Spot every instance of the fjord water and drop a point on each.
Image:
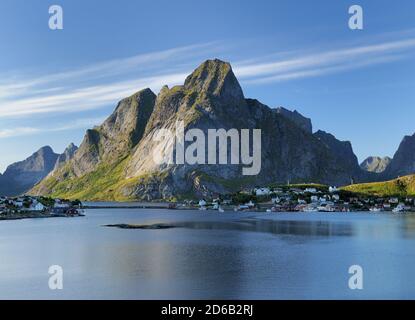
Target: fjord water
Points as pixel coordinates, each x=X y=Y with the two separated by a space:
x=209 y=256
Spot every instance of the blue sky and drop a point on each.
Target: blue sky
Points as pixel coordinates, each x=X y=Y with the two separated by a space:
x=356 y=84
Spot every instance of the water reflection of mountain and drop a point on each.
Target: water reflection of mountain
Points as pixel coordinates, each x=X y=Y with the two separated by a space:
x=280 y=227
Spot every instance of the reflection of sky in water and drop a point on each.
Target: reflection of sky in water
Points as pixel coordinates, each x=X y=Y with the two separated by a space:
x=209 y=255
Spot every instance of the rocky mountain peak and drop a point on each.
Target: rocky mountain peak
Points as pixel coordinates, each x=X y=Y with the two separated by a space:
x=128 y=116
x=217 y=78
x=22 y=175
x=41 y=160
x=71 y=148
x=296 y=117
x=118 y=135
x=403 y=162
x=375 y=164
x=67 y=155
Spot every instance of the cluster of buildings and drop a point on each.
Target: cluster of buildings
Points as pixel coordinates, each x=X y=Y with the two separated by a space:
x=331 y=199
x=305 y=199
x=37 y=205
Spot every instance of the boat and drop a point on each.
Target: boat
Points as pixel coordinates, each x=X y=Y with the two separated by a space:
x=172 y=206
x=326 y=208
x=399 y=208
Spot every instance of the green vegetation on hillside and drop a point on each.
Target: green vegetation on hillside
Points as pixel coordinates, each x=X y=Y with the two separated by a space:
x=101 y=184
x=401 y=187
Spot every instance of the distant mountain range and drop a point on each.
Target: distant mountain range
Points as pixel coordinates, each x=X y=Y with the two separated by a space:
x=21 y=176
x=115 y=160
x=375 y=164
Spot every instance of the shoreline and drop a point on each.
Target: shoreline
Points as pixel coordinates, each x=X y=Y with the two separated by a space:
x=36 y=216
x=231 y=209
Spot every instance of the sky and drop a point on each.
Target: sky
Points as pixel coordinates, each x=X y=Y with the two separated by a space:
x=355 y=84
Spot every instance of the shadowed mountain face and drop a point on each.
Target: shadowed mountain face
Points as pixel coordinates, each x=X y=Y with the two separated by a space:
x=116 y=160
x=375 y=164
x=22 y=176
x=297 y=118
x=403 y=162
x=67 y=155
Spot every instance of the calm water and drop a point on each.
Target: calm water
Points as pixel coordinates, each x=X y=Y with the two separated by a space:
x=209 y=256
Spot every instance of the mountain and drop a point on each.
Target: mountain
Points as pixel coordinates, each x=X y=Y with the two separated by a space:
x=22 y=176
x=97 y=166
x=403 y=162
x=117 y=160
x=67 y=155
x=375 y=164
x=297 y=118
x=345 y=160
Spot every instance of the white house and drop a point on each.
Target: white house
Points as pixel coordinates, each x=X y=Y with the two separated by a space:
x=18 y=203
x=335 y=197
x=322 y=199
x=333 y=189
x=63 y=205
x=276 y=200
x=37 y=207
x=394 y=200
x=250 y=204
x=202 y=203
x=262 y=191
x=314 y=198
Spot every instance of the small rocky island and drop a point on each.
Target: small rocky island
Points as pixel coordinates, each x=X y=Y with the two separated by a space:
x=156 y=226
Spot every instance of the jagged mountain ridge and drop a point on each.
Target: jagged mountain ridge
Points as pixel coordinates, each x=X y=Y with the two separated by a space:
x=115 y=159
x=403 y=162
x=21 y=176
x=67 y=155
x=297 y=118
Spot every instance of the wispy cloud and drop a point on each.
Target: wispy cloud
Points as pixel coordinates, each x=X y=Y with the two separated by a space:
x=321 y=63
x=105 y=83
x=323 y=70
x=99 y=84
x=29 y=131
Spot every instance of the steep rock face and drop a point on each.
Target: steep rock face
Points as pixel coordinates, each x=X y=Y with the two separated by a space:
x=301 y=121
x=211 y=98
x=117 y=135
x=67 y=155
x=22 y=176
x=403 y=162
x=117 y=160
x=102 y=150
x=375 y=164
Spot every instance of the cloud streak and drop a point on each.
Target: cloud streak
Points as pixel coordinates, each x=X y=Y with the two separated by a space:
x=105 y=83
x=336 y=60
x=28 y=131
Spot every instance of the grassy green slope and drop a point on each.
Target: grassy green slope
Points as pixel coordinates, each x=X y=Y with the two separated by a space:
x=404 y=186
x=103 y=183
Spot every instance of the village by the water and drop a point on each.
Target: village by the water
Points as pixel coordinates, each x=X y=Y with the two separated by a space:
x=306 y=198
x=38 y=207
x=268 y=200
